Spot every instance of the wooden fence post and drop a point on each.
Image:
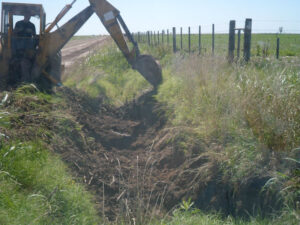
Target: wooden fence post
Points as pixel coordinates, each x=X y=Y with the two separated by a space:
x=181 y=45
x=199 y=40
x=213 y=39
x=163 y=37
x=139 y=37
x=174 y=40
x=168 y=36
x=247 y=40
x=151 y=38
x=231 y=45
x=148 y=35
x=239 y=44
x=277 y=49
x=154 y=38
x=158 y=37
x=189 y=40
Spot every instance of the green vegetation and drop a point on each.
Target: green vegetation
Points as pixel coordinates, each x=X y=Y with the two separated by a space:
x=35 y=185
x=197 y=217
x=35 y=188
x=262 y=44
x=247 y=115
x=261 y=98
x=107 y=74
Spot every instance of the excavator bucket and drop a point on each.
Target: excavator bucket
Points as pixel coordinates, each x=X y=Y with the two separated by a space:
x=149 y=68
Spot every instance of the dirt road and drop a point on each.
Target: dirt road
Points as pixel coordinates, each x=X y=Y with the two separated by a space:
x=78 y=49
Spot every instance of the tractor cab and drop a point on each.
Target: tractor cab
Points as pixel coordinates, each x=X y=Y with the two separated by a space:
x=10 y=15
x=14 y=46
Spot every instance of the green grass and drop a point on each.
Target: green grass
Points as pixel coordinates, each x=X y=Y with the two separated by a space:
x=107 y=74
x=219 y=99
x=200 y=218
x=35 y=188
x=249 y=111
x=247 y=115
x=261 y=45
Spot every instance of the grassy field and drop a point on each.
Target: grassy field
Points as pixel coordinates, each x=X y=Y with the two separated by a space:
x=262 y=44
x=247 y=115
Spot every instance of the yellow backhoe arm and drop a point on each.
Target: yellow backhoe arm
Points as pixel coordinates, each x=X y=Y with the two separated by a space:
x=110 y=17
x=51 y=43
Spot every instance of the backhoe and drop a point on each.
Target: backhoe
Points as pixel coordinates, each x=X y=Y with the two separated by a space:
x=46 y=59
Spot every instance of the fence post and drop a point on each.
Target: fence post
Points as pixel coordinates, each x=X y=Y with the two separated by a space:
x=158 y=37
x=247 y=40
x=277 y=49
x=199 y=40
x=231 y=45
x=181 y=45
x=139 y=36
x=239 y=44
x=189 y=40
x=151 y=38
x=168 y=36
x=213 y=39
x=163 y=37
x=174 y=40
x=148 y=35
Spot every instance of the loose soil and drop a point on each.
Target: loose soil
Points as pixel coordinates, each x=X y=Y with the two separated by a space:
x=131 y=163
x=128 y=156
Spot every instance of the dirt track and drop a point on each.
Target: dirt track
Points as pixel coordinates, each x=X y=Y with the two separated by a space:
x=80 y=48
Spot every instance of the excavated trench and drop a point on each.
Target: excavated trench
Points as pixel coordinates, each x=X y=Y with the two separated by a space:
x=130 y=159
x=130 y=163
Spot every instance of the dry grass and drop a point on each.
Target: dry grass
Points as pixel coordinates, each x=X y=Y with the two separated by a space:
x=219 y=100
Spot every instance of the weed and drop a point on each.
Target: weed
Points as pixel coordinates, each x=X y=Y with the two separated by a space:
x=107 y=74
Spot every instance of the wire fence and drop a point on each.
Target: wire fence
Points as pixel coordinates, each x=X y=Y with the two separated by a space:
x=266 y=43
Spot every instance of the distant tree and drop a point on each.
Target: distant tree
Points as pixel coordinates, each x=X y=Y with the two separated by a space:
x=280 y=30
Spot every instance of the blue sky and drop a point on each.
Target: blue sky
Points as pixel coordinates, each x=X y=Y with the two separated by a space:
x=143 y=15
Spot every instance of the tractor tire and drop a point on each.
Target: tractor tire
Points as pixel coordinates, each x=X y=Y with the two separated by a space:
x=54 y=70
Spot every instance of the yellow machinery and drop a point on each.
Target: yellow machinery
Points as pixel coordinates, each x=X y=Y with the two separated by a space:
x=46 y=61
